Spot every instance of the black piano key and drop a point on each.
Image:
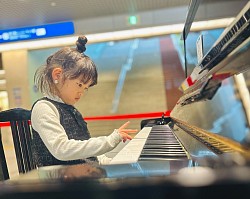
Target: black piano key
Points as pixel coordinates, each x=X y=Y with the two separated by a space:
x=161 y=156
x=162 y=144
x=145 y=151
x=157 y=142
x=163 y=150
x=161 y=138
x=164 y=154
x=162 y=147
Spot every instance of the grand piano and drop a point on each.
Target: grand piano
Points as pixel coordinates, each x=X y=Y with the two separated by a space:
x=201 y=150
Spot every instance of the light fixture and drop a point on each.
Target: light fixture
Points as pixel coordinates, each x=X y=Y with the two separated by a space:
x=116 y=35
x=2 y=81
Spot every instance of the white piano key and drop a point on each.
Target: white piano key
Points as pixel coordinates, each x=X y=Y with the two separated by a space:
x=131 y=152
x=143 y=133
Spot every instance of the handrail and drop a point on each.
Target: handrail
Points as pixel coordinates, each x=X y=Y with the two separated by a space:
x=116 y=117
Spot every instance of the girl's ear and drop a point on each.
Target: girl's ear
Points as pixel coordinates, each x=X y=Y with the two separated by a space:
x=56 y=73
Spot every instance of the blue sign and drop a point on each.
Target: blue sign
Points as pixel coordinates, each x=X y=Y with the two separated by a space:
x=37 y=32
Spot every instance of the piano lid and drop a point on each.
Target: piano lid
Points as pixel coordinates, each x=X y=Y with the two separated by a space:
x=228 y=56
x=210 y=99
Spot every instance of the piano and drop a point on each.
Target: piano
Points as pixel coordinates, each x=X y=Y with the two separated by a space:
x=185 y=136
x=201 y=150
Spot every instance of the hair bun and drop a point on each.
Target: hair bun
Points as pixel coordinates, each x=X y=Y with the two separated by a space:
x=80 y=44
x=49 y=59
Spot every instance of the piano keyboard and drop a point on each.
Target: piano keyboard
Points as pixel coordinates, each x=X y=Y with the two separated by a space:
x=151 y=143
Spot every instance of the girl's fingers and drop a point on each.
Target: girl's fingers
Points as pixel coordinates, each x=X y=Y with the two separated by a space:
x=124 y=132
x=125 y=136
x=124 y=125
x=127 y=130
x=130 y=130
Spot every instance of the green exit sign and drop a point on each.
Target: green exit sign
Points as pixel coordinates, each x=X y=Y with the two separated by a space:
x=133 y=20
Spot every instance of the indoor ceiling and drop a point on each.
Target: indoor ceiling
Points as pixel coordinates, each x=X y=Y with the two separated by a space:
x=20 y=13
x=23 y=13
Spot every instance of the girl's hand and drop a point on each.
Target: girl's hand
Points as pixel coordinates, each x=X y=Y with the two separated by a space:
x=124 y=133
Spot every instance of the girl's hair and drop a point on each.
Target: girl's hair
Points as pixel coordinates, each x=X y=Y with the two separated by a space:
x=73 y=61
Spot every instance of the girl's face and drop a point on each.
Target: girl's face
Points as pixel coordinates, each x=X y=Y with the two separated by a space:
x=71 y=90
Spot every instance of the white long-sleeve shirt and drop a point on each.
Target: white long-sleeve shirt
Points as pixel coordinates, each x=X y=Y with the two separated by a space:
x=45 y=120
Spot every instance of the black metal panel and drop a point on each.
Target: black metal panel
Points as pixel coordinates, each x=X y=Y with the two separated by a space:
x=21 y=133
x=4 y=173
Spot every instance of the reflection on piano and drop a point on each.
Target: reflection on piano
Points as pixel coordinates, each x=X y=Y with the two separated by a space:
x=227 y=57
x=184 y=135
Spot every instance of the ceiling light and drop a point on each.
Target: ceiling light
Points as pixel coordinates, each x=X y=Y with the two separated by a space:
x=53 y=4
x=116 y=35
x=2 y=81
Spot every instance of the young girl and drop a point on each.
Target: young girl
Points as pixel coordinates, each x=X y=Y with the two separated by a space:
x=60 y=134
